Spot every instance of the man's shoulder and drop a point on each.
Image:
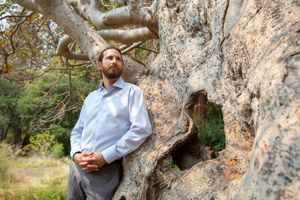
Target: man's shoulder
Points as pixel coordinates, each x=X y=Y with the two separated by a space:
x=90 y=95
x=131 y=87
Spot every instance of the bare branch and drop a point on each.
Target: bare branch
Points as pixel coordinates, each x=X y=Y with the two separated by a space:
x=63 y=50
x=14 y=31
x=31 y=5
x=128 y=37
x=132 y=14
x=148 y=49
x=14 y=16
x=51 y=38
x=139 y=61
x=76 y=65
x=125 y=36
x=135 y=45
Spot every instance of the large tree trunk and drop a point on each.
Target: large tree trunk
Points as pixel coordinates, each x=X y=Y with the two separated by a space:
x=245 y=56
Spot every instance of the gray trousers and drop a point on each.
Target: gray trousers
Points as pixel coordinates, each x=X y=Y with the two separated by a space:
x=94 y=185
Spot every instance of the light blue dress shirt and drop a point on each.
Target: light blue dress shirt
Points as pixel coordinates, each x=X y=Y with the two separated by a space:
x=114 y=122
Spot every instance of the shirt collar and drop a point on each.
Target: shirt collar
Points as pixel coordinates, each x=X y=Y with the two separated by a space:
x=119 y=83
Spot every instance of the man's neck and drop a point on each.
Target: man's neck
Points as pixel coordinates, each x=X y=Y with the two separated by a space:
x=108 y=82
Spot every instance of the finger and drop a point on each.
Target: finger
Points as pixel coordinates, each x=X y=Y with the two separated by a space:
x=83 y=164
x=88 y=159
x=87 y=154
x=91 y=170
x=92 y=166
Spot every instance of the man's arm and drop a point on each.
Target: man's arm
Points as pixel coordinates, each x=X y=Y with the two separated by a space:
x=139 y=130
x=76 y=134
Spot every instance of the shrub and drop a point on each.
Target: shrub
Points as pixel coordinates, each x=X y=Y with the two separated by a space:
x=58 y=150
x=41 y=145
x=211 y=132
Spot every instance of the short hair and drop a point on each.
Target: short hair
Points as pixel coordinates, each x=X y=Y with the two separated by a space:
x=107 y=48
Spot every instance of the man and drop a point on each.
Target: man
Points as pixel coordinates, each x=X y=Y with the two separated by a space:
x=113 y=122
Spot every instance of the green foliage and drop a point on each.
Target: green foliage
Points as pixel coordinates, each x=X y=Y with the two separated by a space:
x=211 y=132
x=41 y=145
x=10 y=93
x=172 y=164
x=58 y=150
x=48 y=104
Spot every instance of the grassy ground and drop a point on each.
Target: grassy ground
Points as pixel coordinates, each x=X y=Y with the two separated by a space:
x=35 y=178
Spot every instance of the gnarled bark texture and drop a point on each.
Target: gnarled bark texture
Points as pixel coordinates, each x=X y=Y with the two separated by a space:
x=245 y=55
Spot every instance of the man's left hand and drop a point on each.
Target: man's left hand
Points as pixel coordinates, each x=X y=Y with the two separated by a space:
x=95 y=161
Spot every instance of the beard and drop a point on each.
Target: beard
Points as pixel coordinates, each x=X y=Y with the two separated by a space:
x=112 y=74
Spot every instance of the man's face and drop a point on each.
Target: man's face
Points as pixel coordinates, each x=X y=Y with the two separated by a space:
x=111 y=65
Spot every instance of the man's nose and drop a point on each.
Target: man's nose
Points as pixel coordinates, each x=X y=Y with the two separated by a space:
x=114 y=60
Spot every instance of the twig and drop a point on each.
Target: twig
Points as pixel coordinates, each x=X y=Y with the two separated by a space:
x=135 y=45
x=148 y=49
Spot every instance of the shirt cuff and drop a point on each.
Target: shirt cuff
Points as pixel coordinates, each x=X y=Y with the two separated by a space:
x=110 y=154
x=75 y=150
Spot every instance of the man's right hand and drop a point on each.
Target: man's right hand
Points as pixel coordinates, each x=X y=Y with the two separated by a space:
x=79 y=156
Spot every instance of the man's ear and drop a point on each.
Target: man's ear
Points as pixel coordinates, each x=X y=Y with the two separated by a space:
x=100 y=66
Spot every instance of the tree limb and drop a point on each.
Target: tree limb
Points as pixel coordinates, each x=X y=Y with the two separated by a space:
x=14 y=31
x=67 y=19
x=127 y=37
x=135 y=45
x=132 y=14
x=148 y=50
x=63 y=50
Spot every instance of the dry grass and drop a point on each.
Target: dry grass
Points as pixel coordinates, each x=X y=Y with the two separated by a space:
x=36 y=178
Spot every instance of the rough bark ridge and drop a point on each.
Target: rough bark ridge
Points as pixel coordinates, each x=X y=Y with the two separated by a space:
x=245 y=56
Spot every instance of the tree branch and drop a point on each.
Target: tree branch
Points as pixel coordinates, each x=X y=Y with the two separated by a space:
x=14 y=31
x=148 y=50
x=132 y=14
x=67 y=19
x=127 y=37
x=135 y=45
x=63 y=50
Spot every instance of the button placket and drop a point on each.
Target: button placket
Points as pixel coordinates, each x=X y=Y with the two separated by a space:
x=93 y=136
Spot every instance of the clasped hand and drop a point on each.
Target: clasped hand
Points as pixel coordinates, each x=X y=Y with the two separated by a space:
x=90 y=161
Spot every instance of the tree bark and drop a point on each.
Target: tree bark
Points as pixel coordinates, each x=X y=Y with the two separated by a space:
x=2 y=134
x=5 y=132
x=199 y=111
x=245 y=56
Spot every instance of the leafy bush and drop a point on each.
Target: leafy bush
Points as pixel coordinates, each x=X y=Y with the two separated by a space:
x=211 y=132
x=58 y=150
x=41 y=145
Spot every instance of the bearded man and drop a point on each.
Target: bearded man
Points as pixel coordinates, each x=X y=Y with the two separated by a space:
x=113 y=122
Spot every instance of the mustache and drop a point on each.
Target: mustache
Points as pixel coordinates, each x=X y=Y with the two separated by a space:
x=113 y=65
